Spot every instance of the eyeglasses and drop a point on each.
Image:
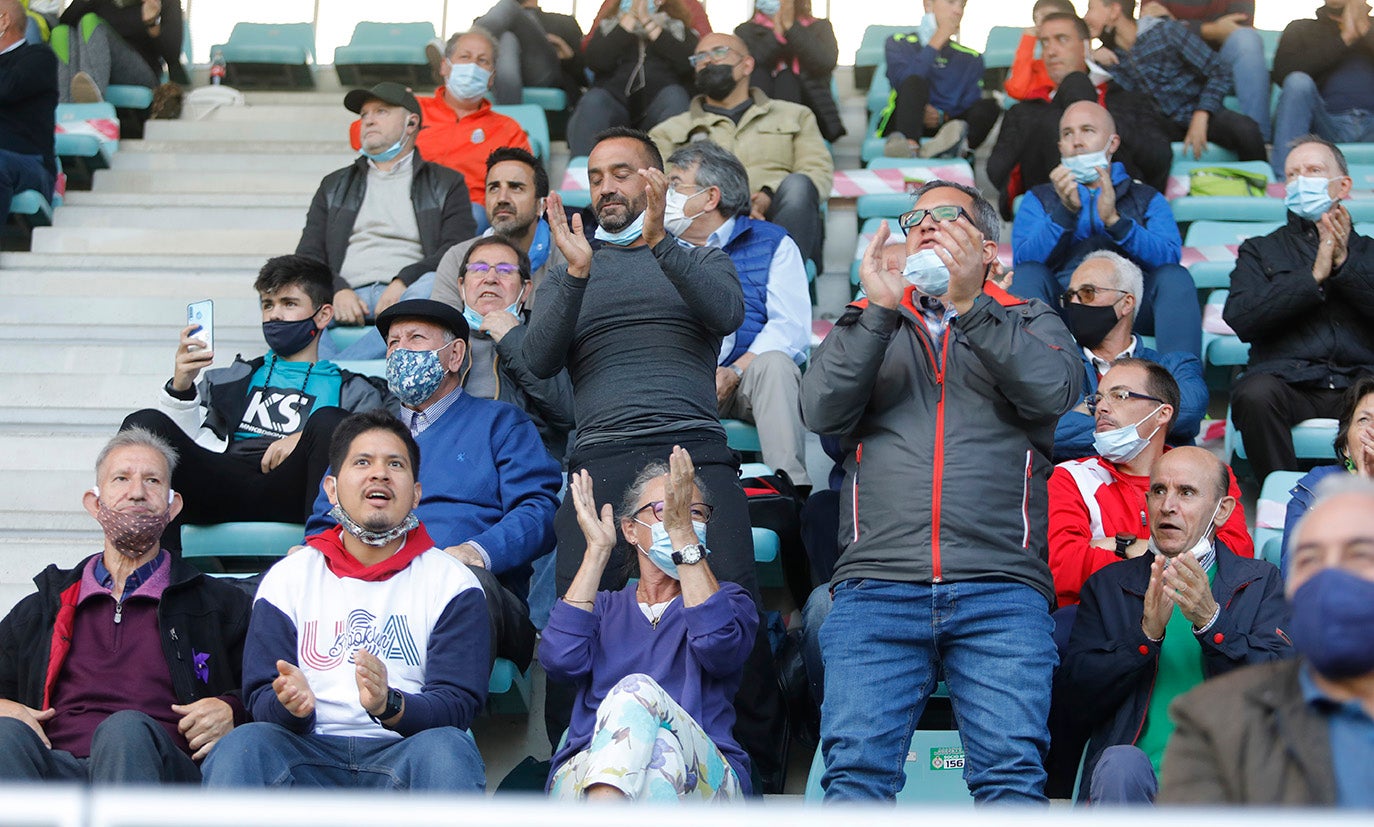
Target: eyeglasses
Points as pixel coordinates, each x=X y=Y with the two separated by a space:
x=942 y=213
x=1116 y=395
x=701 y=512
x=709 y=56
x=1086 y=294
x=481 y=268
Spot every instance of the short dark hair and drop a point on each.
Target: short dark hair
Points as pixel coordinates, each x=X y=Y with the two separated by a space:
x=716 y=167
x=1314 y=138
x=1159 y=382
x=1083 y=32
x=985 y=216
x=1127 y=6
x=523 y=156
x=377 y=419
x=1062 y=6
x=650 y=148
x=523 y=261
x=314 y=278
x=1362 y=387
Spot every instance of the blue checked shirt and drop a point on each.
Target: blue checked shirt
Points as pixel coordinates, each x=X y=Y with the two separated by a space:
x=1176 y=67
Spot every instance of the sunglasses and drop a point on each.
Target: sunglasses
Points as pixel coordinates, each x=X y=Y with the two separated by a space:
x=942 y=213
x=1086 y=294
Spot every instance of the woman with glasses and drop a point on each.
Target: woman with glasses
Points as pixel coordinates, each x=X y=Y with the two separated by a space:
x=656 y=663
x=637 y=52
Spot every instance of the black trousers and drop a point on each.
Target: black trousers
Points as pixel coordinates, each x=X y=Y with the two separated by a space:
x=1265 y=408
x=221 y=488
x=760 y=722
x=908 y=114
x=1231 y=130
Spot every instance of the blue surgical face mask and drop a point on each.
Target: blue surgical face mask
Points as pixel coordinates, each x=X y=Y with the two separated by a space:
x=925 y=270
x=414 y=375
x=660 y=553
x=926 y=30
x=1084 y=167
x=386 y=154
x=767 y=7
x=467 y=81
x=1308 y=197
x=1125 y=443
x=475 y=319
x=625 y=236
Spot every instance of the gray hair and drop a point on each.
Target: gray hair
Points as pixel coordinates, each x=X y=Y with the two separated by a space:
x=1314 y=138
x=716 y=167
x=985 y=216
x=137 y=437
x=475 y=30
x=1128 y=275
x=630 y=504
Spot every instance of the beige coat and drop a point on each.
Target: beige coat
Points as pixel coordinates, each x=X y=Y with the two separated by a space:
x=773 y=139
x=1248 y=737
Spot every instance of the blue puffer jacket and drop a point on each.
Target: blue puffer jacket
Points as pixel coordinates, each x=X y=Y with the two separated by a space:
x=751 y=247
x=1109 y=671
x=1300 y=498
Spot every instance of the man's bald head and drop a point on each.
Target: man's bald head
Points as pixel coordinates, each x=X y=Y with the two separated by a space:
x=1087 y=127
x=16 y=21
x=715 y=39
x=1092 y=111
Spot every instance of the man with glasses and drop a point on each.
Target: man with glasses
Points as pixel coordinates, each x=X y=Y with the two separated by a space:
x=1092 y=204
x=790 y=168
x=1152 y=627
x=1100 y=306
x=945 y=391
x=757 y=373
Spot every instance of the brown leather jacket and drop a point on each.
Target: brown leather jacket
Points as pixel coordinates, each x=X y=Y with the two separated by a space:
x=1248 y=737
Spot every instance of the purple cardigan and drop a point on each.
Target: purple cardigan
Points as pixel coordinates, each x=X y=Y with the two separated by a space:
x=697 y=655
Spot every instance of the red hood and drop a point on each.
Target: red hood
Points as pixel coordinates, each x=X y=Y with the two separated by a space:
x=343 y=564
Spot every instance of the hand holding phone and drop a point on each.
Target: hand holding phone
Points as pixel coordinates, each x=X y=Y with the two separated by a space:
x=201 y=315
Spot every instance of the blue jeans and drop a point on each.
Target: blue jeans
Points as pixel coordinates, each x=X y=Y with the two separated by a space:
x=19 y=173
x=127 y=748
x=1123 y=776
x=884 y=643
x=268 y=755
x=1302 y=110
x=1243 y=52
x=1168 y=308
x=371 y=346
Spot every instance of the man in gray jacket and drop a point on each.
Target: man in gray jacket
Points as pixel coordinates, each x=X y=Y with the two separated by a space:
x=946 y=391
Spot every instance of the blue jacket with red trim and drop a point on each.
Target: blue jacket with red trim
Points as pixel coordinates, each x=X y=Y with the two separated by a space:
x=202 y=622
x=948 y=441
x=1108 y=672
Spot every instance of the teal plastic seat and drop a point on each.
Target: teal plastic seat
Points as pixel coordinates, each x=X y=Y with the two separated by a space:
x=934 y=770
x=345 y=335
x=508 y=689
x=765 y=545
x=1361 y=208
x=579 y=196
x=547 y=98
x=1222 y=350
x=1219 y=233
x=365 y=367
x=1191 y=208
x=270 y=55
x=1001 y=47
x=1273 y=498
x=741 y=436
x=1211 y=275
x=1358 y=153
x=1212 y=153
x=32 y=207
x=872 y=52
x=385 y=51
x=95 y=150
x=238 y=540
x=893 y=204
x=531 y=119
x=128 y=96
x=879 y=91
x=1270 y=39
x=1312 y=439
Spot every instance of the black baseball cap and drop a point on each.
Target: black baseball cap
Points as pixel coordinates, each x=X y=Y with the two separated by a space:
x=388 y=92
x=441 y=314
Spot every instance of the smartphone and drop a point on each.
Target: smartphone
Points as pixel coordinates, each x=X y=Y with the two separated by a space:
x=202 y=313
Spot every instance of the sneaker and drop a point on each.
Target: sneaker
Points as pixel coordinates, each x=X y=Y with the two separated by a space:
x=946 y=141
x=84 y=89
x=434 y=54
x=897 y=146
x=166 y=102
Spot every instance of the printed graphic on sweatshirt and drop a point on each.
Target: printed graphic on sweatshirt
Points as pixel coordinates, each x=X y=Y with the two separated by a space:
x=389 y=639
x=276 y=412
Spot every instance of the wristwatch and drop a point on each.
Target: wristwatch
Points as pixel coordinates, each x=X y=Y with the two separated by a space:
x=1123 y=542
x=687 y=555
x=394 y=701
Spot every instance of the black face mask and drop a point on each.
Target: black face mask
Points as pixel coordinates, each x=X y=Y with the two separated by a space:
x=1088 y=324
x=716 y=81
x=290 y=338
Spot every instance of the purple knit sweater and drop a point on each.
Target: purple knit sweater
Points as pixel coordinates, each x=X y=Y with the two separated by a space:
x=697 y=655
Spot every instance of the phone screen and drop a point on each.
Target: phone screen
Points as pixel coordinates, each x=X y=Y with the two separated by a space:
x=202 y=313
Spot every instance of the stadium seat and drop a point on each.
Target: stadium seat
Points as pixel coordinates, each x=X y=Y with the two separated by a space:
x=1223 y=350
x=879 y=91
x=872 y=50
x=579 y=195
x=1192 y=208
x=385 y=51
x=364 y=367
x=1270 y=38
x=270 y=56
x=1226 y=233
x=32 y=208
x=1001 y=47
x=1212 y=153
x=934 y=771
x=765 y=545
x=891 y=205
x=202 y=543
x=1312 y=439
x=1358 y=153
x=508 y=689
x=1270 y=513
x=128 y=96
x=741 y=436
x=87 y=131
x=531 y=119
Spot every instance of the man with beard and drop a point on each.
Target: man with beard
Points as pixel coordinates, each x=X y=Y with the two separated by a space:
x=638 y=324
x=790 y=169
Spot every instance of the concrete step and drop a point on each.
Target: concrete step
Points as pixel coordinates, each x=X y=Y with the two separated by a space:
x=232 y=285
x=146 y=365
x=332 y=143
x=189 y=200
x=183 y=162
x=331 y=125
x=246 y=264
x=107 y=240
x=322 y=109
x=24 y=556
x=181 y=218
x=142 y=181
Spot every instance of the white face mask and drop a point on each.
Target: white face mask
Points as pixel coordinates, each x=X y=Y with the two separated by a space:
x=675 y=219
x=927 y=272
x=1203 y=549
x=1125 y=443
